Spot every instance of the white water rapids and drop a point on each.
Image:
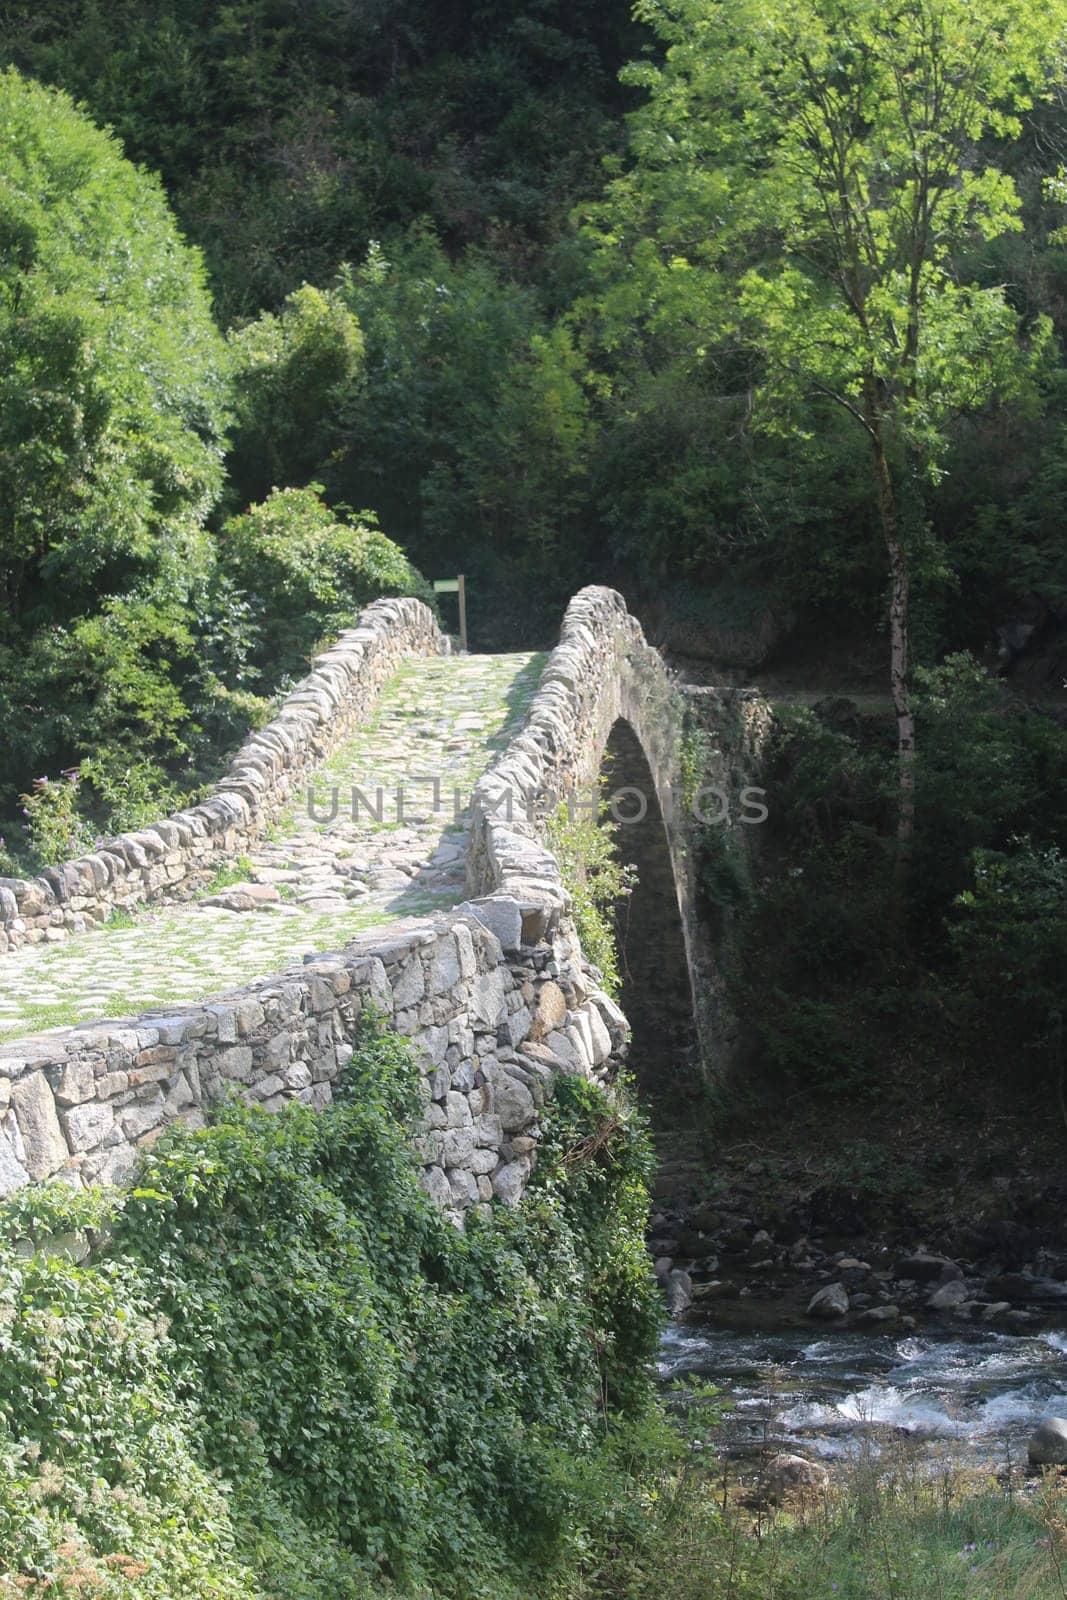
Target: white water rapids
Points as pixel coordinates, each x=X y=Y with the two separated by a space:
x=829 y=1394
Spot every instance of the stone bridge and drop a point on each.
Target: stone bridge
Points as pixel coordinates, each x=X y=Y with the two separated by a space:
x=386 y=831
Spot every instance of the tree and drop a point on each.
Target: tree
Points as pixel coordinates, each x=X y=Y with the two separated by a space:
x=294 y=373
x=804 y=175
x=307 y=570
x=113 y=377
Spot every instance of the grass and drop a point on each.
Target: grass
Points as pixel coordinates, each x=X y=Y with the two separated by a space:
x=888 y=1531
x=239 y=870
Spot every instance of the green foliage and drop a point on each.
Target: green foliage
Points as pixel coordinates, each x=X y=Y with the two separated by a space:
x=114 y=375
x=288 y=138
x=129 y=695
x=862 y=212
x=100 y=1486
x=830 y=998
x=115 y=395
x=585 y=847
x=1010 y=938
x=283 y=1370
x=307 y=570
x=55 y=830
x=239 y=870
x=293 y=374
x=471 y=426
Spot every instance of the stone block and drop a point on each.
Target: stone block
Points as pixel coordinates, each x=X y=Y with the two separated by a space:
x=42 y=1137
x=457 y=1147
x=77 y=1083
x=501 y=915
x=87 y=1126
x=236 y=1063
x=13 y=1174
x=512 y=1101
x=488 y=1003
x=509 y=1182
x=437 y=1186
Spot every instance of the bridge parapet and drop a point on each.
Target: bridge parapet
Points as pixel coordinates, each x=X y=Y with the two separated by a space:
x=171 y=858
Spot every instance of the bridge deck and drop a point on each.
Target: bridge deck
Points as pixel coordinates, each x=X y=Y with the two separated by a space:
x=318 y=879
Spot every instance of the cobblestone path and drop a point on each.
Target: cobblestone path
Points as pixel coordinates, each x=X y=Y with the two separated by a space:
x=384 y=838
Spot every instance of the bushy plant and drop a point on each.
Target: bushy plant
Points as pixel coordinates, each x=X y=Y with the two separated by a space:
x=55 y=829
x=284 y=1348
x=113 y=376
x=295 y=374
x=1009 y=936
x=101 y=1490
x=307 y=569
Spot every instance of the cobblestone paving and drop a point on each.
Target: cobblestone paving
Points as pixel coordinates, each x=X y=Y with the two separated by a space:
x=385 y=837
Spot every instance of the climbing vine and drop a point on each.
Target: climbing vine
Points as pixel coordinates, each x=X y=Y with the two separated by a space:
x=598 y=879
x=282 y=1370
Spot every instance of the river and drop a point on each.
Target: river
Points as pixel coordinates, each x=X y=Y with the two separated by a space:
x=829 y=1394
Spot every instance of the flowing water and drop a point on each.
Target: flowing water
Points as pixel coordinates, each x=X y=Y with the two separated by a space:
x=829 y=1394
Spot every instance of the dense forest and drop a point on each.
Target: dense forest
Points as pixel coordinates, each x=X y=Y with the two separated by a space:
x=756 y=312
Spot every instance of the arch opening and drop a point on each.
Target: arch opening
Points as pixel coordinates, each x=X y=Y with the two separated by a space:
x=657 y=994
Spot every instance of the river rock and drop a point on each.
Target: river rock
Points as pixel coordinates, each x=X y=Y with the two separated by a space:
x=788 y=1474
x=999 y=1308
x=948 y=1296
x=877 y=1315
x=679 y=1292
x=1048 y=1443
x=923 y=1267
x=829 y=1302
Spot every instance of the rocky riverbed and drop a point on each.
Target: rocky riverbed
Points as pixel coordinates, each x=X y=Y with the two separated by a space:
x=823 y=1346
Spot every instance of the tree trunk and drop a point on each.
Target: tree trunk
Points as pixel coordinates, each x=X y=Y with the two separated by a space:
x=898 y=659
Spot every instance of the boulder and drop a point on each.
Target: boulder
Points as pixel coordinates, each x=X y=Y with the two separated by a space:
x=829 y=1302
x=679 y=1287
x=1048 y=1443
x=787 y=1474
x=948 y=1296
x=876 y=1316
x=924 y=1267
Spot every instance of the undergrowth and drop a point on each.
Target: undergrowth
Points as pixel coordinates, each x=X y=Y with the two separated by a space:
x=282 y=1371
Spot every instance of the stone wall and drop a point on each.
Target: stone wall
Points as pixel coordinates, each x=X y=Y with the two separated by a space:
x=172 y=858
x=492 y=1024
x=495 y=996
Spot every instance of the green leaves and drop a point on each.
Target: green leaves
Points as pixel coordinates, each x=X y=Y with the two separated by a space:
x=808 y=173
x=390 y=1402
x=307 y=570
x=114 y=385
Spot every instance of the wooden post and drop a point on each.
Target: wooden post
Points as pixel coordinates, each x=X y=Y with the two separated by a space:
x=458 y=587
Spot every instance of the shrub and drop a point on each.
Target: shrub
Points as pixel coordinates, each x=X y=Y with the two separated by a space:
x=284 y=1353
x=597 y=880
x=307 y=570
x=294 y=373
x=1009 y=935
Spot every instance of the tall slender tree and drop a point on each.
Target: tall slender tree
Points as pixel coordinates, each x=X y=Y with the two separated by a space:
x=805 y=176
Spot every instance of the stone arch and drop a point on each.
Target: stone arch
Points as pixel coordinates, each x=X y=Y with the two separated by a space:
x=654 y=958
